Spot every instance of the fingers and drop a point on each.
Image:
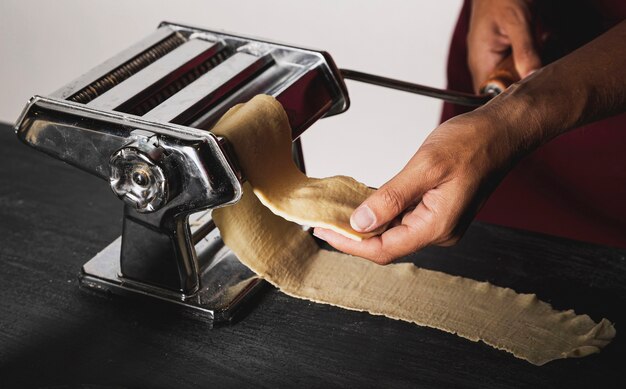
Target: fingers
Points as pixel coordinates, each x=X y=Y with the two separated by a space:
x=485 y=45
x=482 y=62
x=367 y=248
x=433 y=221
x=485 y=51
x=497 y=28
x=523 y=46
x=389 y=200
x=378 y=249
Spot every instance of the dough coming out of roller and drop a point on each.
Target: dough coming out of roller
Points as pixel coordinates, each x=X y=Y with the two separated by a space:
x=263 y=146
x=288 y=257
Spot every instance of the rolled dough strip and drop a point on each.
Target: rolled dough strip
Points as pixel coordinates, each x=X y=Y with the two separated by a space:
x=260 y=134
x=288 y=257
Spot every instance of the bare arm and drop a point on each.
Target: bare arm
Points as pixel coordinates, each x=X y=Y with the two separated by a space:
x=440 y=190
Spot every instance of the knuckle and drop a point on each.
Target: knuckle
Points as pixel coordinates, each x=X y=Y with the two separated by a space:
x=392 y=199
x=381 y=258
x=440 y=168
x=450 y=240
x=435 y=162
x=451 y=234
x=514 y=16
x=447 y=232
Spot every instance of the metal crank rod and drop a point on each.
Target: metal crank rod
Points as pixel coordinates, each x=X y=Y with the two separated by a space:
x=500 y=79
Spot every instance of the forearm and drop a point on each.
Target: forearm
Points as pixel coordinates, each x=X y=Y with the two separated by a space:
x=584 y=86
x=435 y=196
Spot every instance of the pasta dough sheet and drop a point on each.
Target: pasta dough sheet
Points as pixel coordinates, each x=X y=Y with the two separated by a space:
x=277 y=181
x=288 y=257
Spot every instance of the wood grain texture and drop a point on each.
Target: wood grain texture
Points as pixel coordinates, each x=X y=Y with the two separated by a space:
x=53 y=218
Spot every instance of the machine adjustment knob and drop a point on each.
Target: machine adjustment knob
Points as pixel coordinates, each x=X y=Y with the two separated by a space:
x=138 y=176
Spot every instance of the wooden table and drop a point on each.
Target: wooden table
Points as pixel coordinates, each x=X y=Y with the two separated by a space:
x=54 y=217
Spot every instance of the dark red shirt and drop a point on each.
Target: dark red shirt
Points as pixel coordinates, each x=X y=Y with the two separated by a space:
x=574 y=186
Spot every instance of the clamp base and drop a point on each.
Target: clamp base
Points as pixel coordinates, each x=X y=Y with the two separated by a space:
x=226 y=284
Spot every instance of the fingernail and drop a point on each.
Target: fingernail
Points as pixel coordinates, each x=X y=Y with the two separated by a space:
x=318 y=235
x=362 y=219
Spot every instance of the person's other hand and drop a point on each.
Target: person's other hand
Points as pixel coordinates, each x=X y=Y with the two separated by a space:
x=437 y=194
x=497 y=28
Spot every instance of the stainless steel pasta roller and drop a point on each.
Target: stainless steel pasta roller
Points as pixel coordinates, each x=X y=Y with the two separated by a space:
x=141 y=121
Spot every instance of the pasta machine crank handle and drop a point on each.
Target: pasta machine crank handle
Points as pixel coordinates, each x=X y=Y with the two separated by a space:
x=501 y=78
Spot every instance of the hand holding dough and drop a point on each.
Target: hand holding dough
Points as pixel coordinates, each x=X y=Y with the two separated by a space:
x=288 y=257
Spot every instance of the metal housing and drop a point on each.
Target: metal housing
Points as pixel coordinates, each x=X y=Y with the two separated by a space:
x=142 y=121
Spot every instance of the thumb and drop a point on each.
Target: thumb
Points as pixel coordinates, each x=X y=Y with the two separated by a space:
x=386 y=203
x=524 y=51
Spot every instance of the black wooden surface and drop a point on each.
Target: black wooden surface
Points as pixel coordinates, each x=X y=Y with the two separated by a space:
x=54 y=217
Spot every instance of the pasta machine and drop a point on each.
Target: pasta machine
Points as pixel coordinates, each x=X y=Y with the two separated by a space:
x=142 y=121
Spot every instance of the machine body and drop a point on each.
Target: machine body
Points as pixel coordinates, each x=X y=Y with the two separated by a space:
x=142 y=121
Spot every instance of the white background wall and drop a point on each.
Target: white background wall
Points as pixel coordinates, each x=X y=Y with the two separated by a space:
x=45 y=44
